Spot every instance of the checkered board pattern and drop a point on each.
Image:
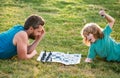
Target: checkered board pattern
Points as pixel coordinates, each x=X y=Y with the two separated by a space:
x=60 y=57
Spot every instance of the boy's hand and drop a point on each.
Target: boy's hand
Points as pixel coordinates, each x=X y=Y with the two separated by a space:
x=102 y=13
x=88 y=60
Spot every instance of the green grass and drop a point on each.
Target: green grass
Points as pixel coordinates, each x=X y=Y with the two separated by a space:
x=64 y=21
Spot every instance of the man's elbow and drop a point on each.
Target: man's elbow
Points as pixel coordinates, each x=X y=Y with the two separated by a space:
x=23 y=57
x=113 y=21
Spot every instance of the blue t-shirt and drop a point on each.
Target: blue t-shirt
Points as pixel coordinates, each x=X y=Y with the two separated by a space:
x=106 y=47
x=7 y=48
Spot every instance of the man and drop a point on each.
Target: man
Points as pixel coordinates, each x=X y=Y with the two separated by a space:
x=15 y=41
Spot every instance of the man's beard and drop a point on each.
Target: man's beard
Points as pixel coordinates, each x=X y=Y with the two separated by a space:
x=32 y=36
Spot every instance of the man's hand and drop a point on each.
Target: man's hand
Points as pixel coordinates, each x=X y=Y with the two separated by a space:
x=39 y=37
x=34 y=52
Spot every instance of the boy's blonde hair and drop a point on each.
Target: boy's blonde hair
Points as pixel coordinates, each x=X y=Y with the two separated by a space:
x=92 y=28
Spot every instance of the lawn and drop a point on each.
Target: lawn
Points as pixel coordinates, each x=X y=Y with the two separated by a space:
x=64 y=21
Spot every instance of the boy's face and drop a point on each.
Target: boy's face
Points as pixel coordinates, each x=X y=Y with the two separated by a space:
x=90 y=37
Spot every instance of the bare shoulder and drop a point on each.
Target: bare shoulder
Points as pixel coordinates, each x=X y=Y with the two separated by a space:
x=20 y=36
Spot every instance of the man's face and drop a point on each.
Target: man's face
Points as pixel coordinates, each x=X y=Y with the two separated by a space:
x=36 y=32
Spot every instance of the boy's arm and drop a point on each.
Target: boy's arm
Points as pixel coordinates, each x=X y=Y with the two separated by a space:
x=91 y=54
x=109 y=19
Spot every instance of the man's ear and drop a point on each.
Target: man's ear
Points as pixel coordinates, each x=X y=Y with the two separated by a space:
x=31 y=28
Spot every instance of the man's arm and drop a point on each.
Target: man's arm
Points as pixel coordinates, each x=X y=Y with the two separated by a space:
x=21 y=40
x=36 y=42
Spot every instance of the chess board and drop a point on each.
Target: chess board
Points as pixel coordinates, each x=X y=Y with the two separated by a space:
x=60 y=57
